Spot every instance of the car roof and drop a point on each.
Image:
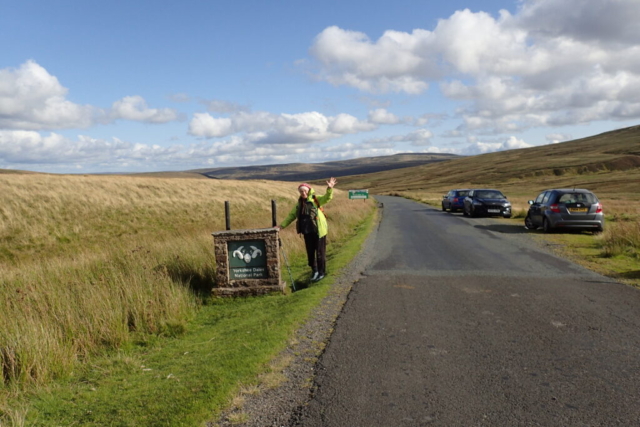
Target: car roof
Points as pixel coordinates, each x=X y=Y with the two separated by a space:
x=570 y=190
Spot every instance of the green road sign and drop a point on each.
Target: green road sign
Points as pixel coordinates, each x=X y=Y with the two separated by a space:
x=247 y=259
x=358 y=194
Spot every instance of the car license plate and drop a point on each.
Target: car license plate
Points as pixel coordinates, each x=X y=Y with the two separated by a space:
x=578 y=209
x=493 y=210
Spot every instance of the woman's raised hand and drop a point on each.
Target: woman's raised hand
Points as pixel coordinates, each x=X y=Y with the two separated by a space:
x=332 y=181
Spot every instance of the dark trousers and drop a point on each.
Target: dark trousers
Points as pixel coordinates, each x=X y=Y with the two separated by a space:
x=316 y=252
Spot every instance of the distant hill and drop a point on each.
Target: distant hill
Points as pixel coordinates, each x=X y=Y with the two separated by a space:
x=189 y=175
x=316 y=171
x=15 y=171
x=610 y=160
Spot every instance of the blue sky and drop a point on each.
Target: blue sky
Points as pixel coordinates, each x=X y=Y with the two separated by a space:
x=125 y=86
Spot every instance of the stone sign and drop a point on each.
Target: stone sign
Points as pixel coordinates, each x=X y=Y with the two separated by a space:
x=247 y=262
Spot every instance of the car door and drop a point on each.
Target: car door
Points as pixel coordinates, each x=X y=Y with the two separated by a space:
x=447 y=200
x=468 y=201
x=535 y=210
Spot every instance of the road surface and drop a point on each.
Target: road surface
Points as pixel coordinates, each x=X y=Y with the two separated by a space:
x=464 y=322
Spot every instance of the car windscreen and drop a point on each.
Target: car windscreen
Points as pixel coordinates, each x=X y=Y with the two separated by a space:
x=489 y=194
x=463 y=193
x=569 y=198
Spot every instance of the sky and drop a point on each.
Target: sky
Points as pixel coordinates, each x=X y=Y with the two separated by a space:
x=140 y=86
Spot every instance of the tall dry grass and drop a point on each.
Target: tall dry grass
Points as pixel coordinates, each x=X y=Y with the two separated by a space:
x=89 y=263
x=621 y=238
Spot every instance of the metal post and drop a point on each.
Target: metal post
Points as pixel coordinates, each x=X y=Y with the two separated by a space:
x=227 y=217
x=274 y=213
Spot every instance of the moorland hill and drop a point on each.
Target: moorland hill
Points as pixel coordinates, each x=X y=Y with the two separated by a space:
x=314 y=171
x=609 y=162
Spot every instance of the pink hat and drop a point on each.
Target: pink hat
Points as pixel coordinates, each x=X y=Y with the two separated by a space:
x=304 y=184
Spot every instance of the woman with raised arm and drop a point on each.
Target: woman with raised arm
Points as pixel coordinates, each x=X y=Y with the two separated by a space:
x=312 y=224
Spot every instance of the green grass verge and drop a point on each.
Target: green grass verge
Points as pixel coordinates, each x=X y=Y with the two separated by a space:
x=585 y=249
x=188 y=380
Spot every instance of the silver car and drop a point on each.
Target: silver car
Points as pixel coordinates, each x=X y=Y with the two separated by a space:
x=566 y=208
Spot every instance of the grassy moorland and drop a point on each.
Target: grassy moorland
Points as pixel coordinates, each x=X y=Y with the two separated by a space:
x=106 y=279
x=607 y=164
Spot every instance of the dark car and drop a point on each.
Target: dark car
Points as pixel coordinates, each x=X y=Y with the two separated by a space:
x=565 y=208
x=486 y=202
x=454 y=200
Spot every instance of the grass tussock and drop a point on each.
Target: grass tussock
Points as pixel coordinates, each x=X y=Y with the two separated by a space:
x=621 y=238
x=95 y=263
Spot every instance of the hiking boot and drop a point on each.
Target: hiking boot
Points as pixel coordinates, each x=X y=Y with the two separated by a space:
x=315 y=276
x=320 y=277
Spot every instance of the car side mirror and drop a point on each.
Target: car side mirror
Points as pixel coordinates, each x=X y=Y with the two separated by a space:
x=530 y=202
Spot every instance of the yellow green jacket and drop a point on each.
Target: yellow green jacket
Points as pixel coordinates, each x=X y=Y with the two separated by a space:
x=321 y=218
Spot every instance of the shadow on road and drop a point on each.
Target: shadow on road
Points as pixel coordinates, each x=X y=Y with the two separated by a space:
x=505 y=228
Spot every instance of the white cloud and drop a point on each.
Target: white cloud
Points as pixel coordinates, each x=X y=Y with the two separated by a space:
x=420 y=137
x=392 y=64
x=25 y=147
x=268 y=128
x=549 y=64
x=382 y=116
x=203 y=124
x=32 y=99
x=135 y=108
x=30 y=149
x=488 y=147
x=346 y=124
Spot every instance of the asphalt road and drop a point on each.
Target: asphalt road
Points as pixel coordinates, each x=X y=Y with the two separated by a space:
x=464 y=322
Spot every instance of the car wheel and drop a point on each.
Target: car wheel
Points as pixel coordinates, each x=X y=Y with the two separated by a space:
x=472 y=213
x=528 y=223
x=464 y=211
x=443 y=208
x=598 y=230
x=546 y=226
